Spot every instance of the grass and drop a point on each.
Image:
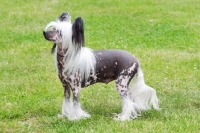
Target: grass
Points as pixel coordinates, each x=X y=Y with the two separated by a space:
x=164 y=35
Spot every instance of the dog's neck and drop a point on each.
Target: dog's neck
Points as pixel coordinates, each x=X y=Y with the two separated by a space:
x=60 y=54
x=60 y=51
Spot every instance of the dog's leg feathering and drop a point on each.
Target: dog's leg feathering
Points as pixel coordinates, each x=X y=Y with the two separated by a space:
x=67 y=104
x=130 y=110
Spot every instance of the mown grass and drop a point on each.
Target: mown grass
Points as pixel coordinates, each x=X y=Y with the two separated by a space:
x=164 y=35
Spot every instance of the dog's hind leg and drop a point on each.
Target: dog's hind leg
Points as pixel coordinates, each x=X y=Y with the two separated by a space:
x=137 y=97
x=130 y=109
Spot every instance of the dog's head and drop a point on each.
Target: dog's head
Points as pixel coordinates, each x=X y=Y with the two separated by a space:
x=53 y=29
x=62 y=32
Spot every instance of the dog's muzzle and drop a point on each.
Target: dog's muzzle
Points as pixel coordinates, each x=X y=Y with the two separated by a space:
x=50 y=35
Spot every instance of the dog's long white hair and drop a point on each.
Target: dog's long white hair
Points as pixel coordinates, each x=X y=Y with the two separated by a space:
x=77 y=57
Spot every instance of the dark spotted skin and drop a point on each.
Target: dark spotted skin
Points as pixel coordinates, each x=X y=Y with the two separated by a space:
x=110 y=65
x=60 y=66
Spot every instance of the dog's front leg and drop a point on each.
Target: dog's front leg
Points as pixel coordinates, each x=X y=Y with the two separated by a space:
x=67 y=104
x=73 y=111
x=78 y=112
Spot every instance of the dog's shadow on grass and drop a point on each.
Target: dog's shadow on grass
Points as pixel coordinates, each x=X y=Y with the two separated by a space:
x=103 y=109
x=106 y=110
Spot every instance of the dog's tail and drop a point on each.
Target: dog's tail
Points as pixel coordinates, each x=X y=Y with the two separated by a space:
x=144 y=96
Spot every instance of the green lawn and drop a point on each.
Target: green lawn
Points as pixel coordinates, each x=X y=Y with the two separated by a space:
x=164 y=35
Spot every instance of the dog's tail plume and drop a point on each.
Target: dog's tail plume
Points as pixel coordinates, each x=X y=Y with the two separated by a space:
x=144 y=96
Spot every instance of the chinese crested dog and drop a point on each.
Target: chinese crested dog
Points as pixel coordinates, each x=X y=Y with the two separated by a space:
x=79 y=66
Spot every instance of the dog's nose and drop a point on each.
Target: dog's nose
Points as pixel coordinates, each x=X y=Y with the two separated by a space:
x=44 y=34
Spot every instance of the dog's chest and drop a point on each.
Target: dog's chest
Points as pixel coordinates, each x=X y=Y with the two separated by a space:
x=73 y=80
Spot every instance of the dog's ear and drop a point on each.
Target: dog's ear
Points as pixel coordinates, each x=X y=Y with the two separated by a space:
x=78 y=33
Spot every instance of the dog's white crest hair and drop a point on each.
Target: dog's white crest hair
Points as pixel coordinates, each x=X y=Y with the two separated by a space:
x=76 y=60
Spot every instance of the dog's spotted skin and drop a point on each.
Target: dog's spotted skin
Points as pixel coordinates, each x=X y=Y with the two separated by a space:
x=124 y=79
x=111 y=65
